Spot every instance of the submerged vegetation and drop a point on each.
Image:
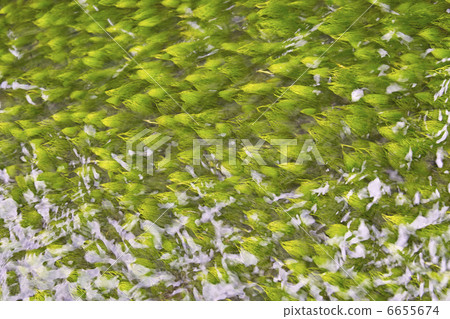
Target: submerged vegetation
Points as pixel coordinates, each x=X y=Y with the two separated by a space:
x=366 y=80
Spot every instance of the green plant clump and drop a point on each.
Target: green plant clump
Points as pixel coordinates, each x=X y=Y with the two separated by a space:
x=363 y=215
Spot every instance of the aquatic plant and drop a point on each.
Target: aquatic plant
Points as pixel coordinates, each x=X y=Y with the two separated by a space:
x=367 y=81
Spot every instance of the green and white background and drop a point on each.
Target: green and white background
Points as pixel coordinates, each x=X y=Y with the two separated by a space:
x=366 y=80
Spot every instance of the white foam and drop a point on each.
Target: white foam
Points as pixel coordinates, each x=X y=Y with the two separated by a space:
x=357 y=95
x=394 y=87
